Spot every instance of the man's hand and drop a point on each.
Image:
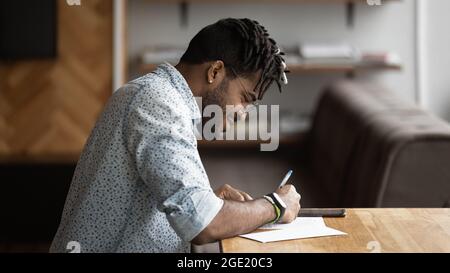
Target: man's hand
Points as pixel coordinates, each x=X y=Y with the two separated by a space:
x=237 y=217
x=227 y=192
x=292 y=200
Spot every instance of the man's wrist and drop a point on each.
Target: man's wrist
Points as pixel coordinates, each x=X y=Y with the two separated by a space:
x=279 y=203
x=275 y=208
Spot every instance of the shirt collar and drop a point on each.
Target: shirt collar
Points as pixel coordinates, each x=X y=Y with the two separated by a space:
x=168 y=71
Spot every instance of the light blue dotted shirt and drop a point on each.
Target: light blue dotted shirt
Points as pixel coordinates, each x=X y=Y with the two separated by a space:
x=140 y=185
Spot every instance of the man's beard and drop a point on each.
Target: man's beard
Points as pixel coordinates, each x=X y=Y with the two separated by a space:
x=217 y=97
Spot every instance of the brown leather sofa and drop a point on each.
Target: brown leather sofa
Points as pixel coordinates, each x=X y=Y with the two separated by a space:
x=368 y=148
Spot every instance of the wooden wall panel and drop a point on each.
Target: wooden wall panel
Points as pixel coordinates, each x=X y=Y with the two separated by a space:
x=48 y=107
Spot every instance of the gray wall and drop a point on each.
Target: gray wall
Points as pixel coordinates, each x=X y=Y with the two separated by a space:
x=435 y=50
x=388 y=27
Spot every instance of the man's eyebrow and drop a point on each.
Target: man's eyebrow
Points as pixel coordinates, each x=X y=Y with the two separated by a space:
x=253 y=95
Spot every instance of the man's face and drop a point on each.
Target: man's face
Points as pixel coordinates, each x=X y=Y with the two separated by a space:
x=237 y=92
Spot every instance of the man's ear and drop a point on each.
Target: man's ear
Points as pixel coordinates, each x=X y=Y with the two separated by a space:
x=216 y=73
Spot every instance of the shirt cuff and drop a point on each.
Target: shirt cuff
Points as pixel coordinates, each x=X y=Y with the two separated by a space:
x=207 y=206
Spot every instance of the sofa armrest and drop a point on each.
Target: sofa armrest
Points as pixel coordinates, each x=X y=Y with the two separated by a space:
x=368 y=148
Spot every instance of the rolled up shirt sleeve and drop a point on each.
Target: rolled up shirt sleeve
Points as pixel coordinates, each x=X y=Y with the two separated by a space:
x=161 y=141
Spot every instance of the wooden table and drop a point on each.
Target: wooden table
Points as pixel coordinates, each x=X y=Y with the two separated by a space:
x=369 y=230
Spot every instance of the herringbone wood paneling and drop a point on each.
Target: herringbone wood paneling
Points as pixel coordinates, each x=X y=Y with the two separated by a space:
x=48 y=107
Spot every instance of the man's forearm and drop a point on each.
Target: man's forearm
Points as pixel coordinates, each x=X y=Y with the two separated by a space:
x=237 y=218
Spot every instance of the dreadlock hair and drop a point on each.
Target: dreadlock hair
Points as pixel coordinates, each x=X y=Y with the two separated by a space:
x=244 y=46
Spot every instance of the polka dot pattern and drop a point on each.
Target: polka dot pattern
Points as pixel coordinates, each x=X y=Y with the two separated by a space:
x=140 y=185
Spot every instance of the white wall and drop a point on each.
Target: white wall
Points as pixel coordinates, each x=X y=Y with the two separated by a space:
x=435 y=50
x=387 y=27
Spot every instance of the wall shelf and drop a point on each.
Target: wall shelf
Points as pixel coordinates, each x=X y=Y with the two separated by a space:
x=350 y=5
x=298 y=69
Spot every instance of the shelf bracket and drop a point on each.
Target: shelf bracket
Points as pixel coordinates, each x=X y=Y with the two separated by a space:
x=184 y=10
x=350 y=13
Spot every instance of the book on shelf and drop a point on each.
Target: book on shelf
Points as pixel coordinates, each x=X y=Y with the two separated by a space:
x=329 y=54
x=161 y=54
x=317 y=55
x=380 y=59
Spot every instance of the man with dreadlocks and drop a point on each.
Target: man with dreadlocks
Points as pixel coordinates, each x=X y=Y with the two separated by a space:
x=140 y=186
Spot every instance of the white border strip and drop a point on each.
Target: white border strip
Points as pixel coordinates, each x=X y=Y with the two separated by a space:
x=118 y=45
x=421 y=71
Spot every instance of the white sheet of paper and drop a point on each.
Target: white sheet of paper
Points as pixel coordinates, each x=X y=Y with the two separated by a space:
x=300 y=228
x=300 y=222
